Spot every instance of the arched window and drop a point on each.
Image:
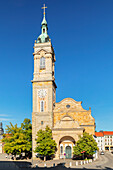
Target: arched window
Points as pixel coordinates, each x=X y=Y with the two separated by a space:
x=42 y=62
x=43 y=30
x=42 y=106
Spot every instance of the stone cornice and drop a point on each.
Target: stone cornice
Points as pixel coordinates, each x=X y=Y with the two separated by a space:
x=46 y=44
x=47 y=72
x=42 y=113
x=67 y=129
x=86 y=125
x=44 y=81
x=35 y=58
x=70 y=111
x=37 y=53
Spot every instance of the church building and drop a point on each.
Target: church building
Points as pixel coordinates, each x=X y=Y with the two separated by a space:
x=67 y=118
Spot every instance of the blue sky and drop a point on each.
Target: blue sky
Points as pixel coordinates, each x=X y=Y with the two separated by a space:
x=82 y=35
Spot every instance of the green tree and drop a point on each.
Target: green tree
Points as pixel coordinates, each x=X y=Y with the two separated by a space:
x=15 y=141
x=85 y=143
x=46 y=146
x=18 y=140
x=27 y=131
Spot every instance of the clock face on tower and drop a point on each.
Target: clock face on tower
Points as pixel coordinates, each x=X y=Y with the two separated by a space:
x=42 y=93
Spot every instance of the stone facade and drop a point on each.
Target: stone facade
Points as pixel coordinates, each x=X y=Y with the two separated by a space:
x=44 y=88
x=67 y=119
x=70 y=121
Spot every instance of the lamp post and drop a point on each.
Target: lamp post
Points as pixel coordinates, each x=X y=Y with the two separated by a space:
x=83 y=154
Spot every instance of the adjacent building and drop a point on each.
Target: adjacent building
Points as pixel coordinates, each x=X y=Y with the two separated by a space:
x=1 y=137
x=67 y=118
x=104 y=140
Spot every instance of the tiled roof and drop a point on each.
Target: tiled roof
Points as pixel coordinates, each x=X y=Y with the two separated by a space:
x=103 y=133
x=108 y=133
x=99 y=134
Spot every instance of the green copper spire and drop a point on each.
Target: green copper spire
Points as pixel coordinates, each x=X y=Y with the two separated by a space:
x=43 y=36
x=44 y=22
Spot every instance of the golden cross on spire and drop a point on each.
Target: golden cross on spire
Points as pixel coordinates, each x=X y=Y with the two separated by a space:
x=44 y=7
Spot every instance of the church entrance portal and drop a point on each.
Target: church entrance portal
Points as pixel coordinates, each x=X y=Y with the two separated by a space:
x=68 y=152
x=66 y=147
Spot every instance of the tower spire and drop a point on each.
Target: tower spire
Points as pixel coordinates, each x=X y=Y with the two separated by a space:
x=44 y=19
x=44 y=36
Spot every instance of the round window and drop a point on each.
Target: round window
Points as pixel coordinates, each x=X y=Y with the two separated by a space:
x=68 y=106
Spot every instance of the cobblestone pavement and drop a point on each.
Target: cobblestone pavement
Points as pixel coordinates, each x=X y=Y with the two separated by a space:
x=52 y=163
x=104 y=162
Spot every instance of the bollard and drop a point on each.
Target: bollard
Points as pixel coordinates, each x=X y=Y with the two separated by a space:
x=36 y=166
x=63 y=164
x=76 y=163
x=87 y=161
x=91 y=160
x=70 y=164
x=84 y=162
x=81 y=162
x=45 y=165
x=53 y=164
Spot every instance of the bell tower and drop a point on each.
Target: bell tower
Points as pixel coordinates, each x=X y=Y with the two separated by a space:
x=43 y=83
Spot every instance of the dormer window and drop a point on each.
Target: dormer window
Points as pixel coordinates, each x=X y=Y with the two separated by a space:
x=42 y=63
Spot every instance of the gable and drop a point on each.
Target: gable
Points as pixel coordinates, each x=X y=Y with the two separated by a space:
x=68 y=104
x=42 y=51
x=75 y=111
x=67 y=122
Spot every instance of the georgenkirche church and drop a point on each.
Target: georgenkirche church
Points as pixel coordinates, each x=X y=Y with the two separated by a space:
x=67 y=119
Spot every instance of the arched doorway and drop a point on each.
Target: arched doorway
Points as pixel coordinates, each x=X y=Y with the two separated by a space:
x=68 y=152
x=66 y=144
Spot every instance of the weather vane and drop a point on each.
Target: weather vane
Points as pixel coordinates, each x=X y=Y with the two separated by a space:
x=44 y=7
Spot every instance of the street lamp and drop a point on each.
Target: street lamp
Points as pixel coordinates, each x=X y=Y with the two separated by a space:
x=83 y=154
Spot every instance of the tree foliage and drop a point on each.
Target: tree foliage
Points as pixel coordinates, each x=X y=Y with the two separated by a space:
x=27 y=131
x=85 y=143
x=46 y=146
x=18 y=139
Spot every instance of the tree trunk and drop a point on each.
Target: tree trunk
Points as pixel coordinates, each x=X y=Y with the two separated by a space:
x=44 y=158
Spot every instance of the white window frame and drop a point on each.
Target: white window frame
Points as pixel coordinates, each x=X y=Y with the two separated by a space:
x=42 y=106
